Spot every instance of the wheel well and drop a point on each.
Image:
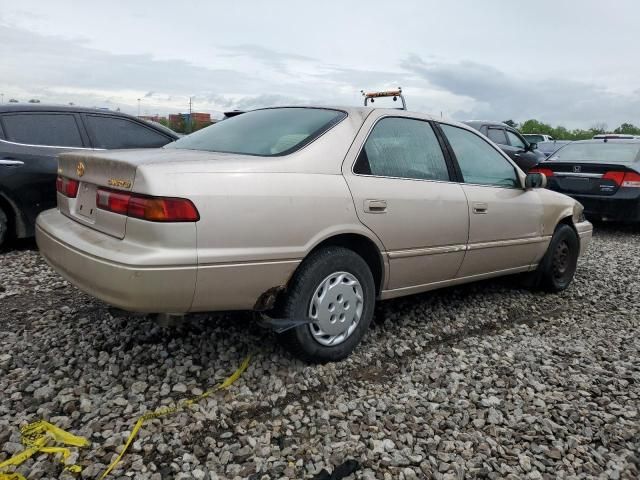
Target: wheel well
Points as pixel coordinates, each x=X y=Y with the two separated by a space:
x=569 y=221
x=8 y=210
x=363 y=247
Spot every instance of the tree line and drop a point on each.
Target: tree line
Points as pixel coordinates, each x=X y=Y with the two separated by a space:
x=562 y=133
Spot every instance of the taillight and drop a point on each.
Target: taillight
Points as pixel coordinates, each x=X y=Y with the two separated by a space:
x=624 y=179
x=113 y=201
x=153 y=209
x=67 y=186
x=546 y=171
x=616 y=177
x=631 y=179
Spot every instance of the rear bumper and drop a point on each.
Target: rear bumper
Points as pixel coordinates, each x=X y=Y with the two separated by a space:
x=623 y=206
x=158 y=275
x=585 y=232
x=96 y=264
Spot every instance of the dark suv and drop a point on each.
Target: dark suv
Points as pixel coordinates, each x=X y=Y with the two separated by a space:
x=511 y=142
x=31 y=136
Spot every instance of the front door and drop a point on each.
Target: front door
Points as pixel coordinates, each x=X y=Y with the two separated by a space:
x=403 y=191
x=505 y=221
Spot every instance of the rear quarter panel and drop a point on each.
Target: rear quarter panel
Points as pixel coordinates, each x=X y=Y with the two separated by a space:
x=255 y=228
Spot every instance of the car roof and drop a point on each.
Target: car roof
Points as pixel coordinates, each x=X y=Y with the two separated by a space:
x=479 y=123
x=610 y=140
x=363 y=112
x=43 y=107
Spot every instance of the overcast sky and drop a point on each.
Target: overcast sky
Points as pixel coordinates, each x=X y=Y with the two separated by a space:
x=565 y=62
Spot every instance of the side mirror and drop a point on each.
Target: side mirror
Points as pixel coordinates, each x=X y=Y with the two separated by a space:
x=535 y=180
x=532 y=146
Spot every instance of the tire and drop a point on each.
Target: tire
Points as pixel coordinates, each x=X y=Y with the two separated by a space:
x=4 y=228
x=344 y=307
x=558 y=266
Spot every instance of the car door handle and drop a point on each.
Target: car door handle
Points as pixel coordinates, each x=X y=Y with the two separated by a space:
x=7 y=162
x=516 y=154
x=480 y=208
x=375 y=206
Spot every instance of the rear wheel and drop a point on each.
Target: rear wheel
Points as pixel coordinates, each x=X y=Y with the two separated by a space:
x=558 y=266
x=4 y=227
x=334 y=287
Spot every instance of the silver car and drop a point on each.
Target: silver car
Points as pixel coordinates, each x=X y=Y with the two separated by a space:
x=309 y=214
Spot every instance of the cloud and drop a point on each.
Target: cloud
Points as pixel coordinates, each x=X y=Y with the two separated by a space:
x=498 y=95
x=274 y=59
x=59 y=69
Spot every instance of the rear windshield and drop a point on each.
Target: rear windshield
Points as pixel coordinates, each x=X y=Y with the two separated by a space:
x=609 y=152
x=269 y=132
x=534 y=138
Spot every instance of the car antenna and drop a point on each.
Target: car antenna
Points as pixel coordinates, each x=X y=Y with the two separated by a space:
x=389 y=93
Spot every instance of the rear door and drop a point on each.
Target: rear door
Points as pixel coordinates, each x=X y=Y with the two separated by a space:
x=404 y=190
x=505 y=221
x=28 y=151
x=112 y=132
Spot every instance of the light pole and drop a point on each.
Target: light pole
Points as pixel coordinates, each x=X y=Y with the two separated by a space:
x=2 y=96
x=138 y=108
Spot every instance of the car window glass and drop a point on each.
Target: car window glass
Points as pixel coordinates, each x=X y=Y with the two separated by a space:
x=405 y=148
x=112 y=132
x=496 y=135
x=479 y=162
x=267 y=132
x=52 y=129
x=515 y=140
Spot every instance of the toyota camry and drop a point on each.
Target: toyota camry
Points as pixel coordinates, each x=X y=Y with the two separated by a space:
x=309 y=214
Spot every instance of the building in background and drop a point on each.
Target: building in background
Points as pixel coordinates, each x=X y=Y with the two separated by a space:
x=153 y=118
x=189 y=122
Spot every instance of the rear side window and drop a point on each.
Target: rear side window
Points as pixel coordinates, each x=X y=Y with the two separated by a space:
x=112 y=132
x=404 y=148
x=496 y=135
x=269 y=132
x=479 y=162
x=50 y=129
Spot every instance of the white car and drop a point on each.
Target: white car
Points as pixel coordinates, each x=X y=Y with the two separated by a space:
x=537 y=137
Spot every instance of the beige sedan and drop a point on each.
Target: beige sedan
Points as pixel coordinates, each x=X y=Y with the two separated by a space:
x=309 y=214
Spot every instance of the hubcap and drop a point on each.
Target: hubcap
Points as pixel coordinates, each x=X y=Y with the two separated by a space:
x=335 y=308
x=561 y=260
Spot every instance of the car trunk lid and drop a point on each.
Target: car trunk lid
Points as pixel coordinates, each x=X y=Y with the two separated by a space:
x=584 y=178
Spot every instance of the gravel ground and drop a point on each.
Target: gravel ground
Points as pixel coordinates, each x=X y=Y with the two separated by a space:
x=485 y=380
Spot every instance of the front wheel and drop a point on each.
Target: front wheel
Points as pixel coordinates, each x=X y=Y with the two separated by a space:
x=558 y=266
x=334 y=288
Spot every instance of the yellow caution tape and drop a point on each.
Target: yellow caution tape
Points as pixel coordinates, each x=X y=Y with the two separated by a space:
x=163 y=411
x=37 y=436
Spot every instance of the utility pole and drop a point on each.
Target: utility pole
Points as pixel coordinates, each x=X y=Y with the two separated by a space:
x=190 y=114
x=138 y=108
x=2 y=96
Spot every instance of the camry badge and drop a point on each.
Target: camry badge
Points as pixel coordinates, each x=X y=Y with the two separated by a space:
x=577 y=169
x=80 y=169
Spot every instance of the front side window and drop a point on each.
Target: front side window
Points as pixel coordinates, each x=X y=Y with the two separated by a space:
x=268 y=132
x=47 y=129
x=113 y=132
x=496 y=135
x=479 y=162
x=403 y=148
x=515 y=140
